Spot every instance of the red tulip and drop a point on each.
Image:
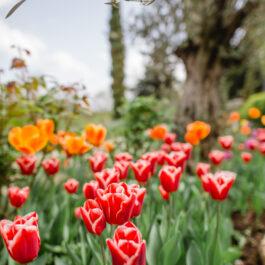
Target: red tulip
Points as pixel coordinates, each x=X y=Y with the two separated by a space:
x=161 y=157
x=216 y=157
x=169 y=177
x=176 y=159
x=226 y=141
x=93 y=217
x=21 y=237
x=220 y=183
x=27 y=164
x=97 y=161
x=51 y=166
x=169 y=138
x=71 y=186
x=123 y=167
x=107 y=176
x=262 y=148
x=90 y=190
x=184 y=147
x=202 y=169
x=123 y=157
x=252 y=144
x=165 y=147
x=18 y=196
x=152 y=157
x=205 y=182
x=117 y=203
x=78 y=212
x=164 y=194
x=261 y=135
x=142 y=170
x=127 y=246
x=246 y=157
x=139 y=199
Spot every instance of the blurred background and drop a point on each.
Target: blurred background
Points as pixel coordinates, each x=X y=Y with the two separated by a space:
x=204 y=57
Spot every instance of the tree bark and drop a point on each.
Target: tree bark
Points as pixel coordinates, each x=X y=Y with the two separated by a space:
x=201 y=98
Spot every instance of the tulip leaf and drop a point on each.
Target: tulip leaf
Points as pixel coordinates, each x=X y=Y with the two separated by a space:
x=154 y=246
x=40 y=260
x=94 y=245
x=194 y=255
x=172 y=250
x=75 y=259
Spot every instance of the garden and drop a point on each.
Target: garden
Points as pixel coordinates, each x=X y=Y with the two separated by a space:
x=174 y=175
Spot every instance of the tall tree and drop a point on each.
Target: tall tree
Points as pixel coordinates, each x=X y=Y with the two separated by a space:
x=117 y=56
x=206 y=35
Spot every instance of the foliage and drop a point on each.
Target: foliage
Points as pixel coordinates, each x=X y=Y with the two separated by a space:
x=140 y=115
x=117 y=56
x=209 y=37
x=256 y=100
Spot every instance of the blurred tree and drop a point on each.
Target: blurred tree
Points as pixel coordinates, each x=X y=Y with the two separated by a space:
x=117 y=56
x=207 y=36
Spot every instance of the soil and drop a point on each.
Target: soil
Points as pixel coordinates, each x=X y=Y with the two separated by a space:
x=254 y=231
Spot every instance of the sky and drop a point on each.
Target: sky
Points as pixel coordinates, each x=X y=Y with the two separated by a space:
x=68 y=39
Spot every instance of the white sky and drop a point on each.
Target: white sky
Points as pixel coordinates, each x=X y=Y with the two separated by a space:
x=68 y=40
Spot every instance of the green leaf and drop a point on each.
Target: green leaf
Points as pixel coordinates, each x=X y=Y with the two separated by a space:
x=194 y=255
x=75 y=259
x=154 y=246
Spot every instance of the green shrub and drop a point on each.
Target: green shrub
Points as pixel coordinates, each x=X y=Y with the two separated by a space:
x=256 y=100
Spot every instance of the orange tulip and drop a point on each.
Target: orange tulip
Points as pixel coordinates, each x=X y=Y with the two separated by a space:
x=158 y=132
x=263 y=120
x=47 y=126
x=76 y=145
x=234 y=116
x=254 y=113
x=200 y=128
x=28 y=139
x=245 y=130
x=108 y=146
x=192 y=138
x=95 y=134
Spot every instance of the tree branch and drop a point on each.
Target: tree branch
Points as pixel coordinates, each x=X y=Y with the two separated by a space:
x=237 y=20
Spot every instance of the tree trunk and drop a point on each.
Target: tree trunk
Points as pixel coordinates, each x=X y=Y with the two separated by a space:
x=201 y=98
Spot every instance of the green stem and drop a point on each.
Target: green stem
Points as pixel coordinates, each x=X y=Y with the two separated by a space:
x=36 y=172
x=216 y=230
x=102 y=250
x=169 y=214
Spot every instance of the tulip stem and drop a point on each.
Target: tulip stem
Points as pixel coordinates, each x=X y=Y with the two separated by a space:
x=169 y=214
x=36 y=172
x=102 y=250
x=216 y=230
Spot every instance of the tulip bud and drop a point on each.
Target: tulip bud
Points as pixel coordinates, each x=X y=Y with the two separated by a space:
x=216 y=157
x=107 y=176
x=169 y=177
x=90 y=190
x=27 y=164
x=123 y=157
x=97 y=161
x=117 y=202
x=226 y=142
x=141 y=170
x=93 y=217
x=17 y=196
x=71 y=186
x=246 y=157
x=202 y=169
x=51 y=166
x=127 y=246
x=152 y=157
x=21 y=237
